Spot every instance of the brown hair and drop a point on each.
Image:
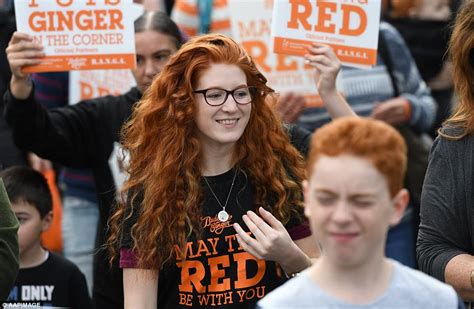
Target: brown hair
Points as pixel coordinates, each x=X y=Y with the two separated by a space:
x=364 y=137
x=165 y=151
x=460 y=48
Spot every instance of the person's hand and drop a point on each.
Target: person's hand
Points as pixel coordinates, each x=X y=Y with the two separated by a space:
x=38 y=164
x=395 y=111
x=290 y=106
x=22 y=51
x=272 y=241
x=327 y=65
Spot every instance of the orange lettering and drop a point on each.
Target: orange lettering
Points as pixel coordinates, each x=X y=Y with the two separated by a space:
x=62 y=20
x=36 y=21
x=67 y=3
x=115 y=19
x=102 y=91
x=50 y=20
x=195 y=278
x=83 y=19
x=33 y=4
x=218 y=273
x=180 y=255
x=347 y=9
x=324 y=16
x=213 y=242
x=259 y=52
x=186 y=299
x=230 y=239
x=100 y=21
x=84 y=23
x=228 y=298
x=252 y=29
x=87 y=91
x=282 y=66
x=202 y=248
x=296 y=15
x=242 y=281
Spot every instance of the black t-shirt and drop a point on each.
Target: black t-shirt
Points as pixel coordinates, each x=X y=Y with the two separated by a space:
x=216 y=272
x=55 y=283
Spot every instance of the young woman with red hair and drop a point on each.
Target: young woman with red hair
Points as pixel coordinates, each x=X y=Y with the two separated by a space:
x=213 y=214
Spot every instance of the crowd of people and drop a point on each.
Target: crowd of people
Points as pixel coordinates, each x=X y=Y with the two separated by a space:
x=236 y=196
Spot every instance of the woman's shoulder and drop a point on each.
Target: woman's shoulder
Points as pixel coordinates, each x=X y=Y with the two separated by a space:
x=453 y=143
x=456 y=136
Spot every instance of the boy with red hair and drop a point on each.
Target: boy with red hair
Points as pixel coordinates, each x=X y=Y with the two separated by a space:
x=353 y=195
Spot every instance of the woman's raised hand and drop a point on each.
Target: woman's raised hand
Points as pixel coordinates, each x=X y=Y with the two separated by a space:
x=327 y=65
x=22 y=51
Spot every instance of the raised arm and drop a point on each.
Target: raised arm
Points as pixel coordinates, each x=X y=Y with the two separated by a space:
x=79 y=135
x=327 y=66
x=21 y=52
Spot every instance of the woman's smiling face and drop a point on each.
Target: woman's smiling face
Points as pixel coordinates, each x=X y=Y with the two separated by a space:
x=223 y=124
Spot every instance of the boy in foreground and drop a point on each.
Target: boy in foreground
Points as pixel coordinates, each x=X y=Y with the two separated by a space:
x=353 y=195
x=45 y=279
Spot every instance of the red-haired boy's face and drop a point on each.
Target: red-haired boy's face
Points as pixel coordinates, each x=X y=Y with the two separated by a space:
x=224 y=124
x=348 y=203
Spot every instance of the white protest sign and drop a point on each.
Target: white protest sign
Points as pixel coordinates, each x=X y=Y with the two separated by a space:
x=251 y=27
x=350 y=27
x=80 y=34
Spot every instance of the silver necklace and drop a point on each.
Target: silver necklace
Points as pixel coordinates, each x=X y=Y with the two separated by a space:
x=223 y=216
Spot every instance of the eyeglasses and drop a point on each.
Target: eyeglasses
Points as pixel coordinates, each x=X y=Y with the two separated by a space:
x=218 y=96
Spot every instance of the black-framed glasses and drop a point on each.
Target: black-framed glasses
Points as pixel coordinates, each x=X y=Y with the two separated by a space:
x=218 y=96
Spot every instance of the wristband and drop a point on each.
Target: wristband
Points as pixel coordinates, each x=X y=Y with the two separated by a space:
x=407 y=110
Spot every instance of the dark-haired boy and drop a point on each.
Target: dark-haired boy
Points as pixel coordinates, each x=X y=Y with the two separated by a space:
x=45 y=279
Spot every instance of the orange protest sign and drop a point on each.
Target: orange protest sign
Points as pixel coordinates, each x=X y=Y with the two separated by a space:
x=350 y=27
x=79 y=35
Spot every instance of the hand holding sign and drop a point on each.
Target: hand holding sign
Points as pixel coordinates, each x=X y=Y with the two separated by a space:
x=22 y=51
x=327 y=66
x=79 y=35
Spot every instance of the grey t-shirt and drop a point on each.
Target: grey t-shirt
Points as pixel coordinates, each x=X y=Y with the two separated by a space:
x=408 y=289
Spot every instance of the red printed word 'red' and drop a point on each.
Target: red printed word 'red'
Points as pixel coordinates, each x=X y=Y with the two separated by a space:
x=301 y=12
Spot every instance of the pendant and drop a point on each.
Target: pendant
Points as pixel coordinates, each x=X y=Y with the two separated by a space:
x=223 y=216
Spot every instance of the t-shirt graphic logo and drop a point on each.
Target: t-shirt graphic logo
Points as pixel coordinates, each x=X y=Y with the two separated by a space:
x=215 y=225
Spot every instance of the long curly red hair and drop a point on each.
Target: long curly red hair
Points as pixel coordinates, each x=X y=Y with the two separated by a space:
x=164 y=182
